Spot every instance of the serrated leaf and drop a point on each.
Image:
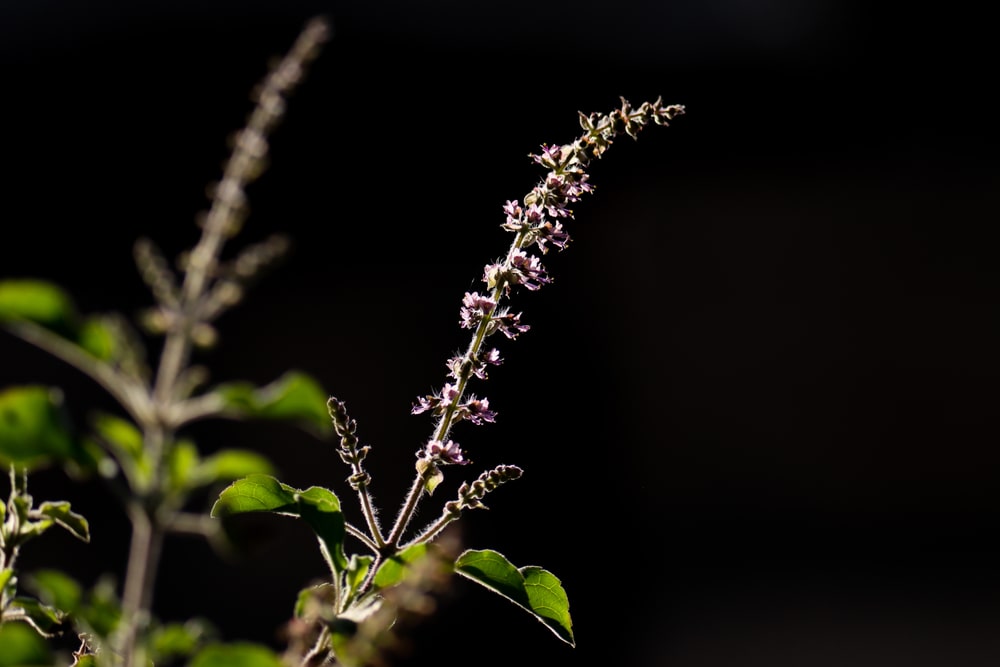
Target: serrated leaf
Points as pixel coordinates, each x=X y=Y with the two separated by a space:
x=20 y=646
x=532 y=588
x=294 y=396
x=318 y=507
x=38 y=301
x=392 y=571
x=321 y=510
x=34 y=428
x=61 y=513
x=55 y=588
x=238 y=654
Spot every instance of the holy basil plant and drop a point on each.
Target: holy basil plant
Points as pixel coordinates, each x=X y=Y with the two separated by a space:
x=344 y=618
x=381 y=580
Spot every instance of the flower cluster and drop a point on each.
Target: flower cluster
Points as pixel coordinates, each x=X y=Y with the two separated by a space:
x=476 y=410
x=535 y=221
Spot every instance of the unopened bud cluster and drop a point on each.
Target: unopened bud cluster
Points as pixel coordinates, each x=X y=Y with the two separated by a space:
x=349 y=452
x=470 y=496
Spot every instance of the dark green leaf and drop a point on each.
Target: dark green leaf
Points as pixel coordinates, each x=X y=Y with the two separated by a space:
x=34 y=428
x=392 y=571
x=60 y=513
x=536 y=590
x=239 y=654
x=294 y=396
x=38 y=301
x=319 y=507
x=20 y=646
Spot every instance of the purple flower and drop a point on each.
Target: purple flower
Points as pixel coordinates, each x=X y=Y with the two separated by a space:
x=551 y=233
x=476 y=411
x=508 y=324
x=551 y=157
x=437 y=403
x=445 y=453
x=474 y=308
x=527 y=270
x=477 y=365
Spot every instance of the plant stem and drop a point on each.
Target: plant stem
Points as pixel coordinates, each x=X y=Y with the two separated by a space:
x=137 y=599
x=443 y=427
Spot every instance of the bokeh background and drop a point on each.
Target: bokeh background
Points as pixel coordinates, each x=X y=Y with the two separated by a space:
x=757 y=408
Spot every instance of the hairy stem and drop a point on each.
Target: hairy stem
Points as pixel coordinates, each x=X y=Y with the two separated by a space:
x=444 y=425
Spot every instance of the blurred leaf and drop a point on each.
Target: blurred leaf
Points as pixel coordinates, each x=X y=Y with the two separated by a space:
x=38 y=301
x=60 y=512
x=392 y=571
x=96 y=337
x=20 y=646
x=126 y=442
x=34 y=428
x=101 y=611
x=319 y=507
x=55 y=588
x=294 y=396
x=229 y=464
x=536 y=590
x=178 y=639
x=182 y=461
x=239 y=654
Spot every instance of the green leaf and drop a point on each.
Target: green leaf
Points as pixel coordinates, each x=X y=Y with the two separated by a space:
x=255 y=493
x=41 y=617
x=178 y=639
x=536 y=590
x=392 y=571
x=357 y=569
x=97 y=338
x=20 y=646
x=56 y=589
x=101 y=610
x=229 y=464
x=60 y=512
x=34 y=428
x=319 y=507
x=294 y=396
x=38 y=301
x=5 y=576
x=182 y=461
x=238 y=654
x=126 y=442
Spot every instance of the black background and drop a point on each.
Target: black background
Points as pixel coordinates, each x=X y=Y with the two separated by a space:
x=756 y=410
